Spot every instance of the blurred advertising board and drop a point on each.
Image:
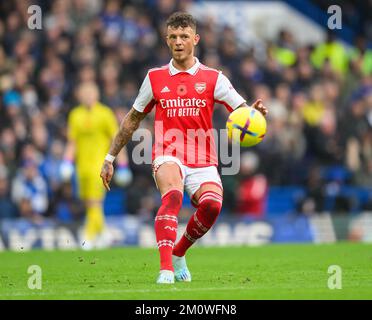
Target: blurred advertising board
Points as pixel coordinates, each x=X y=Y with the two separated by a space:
x=21 y=235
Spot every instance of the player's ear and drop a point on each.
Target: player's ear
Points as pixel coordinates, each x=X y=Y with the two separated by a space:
x=196 y=39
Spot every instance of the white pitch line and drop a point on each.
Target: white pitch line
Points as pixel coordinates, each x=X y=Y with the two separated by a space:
x=72 y=292
x=163 y=290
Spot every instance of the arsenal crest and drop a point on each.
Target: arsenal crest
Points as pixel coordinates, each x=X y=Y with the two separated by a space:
x=200 y=87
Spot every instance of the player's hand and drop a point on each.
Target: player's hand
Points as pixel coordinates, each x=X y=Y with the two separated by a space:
x=123 y=176
x=66 y=170
x=107 y=172
x=258 y=105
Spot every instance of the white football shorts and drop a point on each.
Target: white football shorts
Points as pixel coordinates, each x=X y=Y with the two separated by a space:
x=192 y=178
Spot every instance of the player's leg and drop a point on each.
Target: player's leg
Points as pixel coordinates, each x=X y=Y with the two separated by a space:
x=208 y=199
x=168 y=177
x=92 y=193
x=94 y=222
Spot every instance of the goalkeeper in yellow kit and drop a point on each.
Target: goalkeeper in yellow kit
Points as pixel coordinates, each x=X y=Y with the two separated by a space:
x=91 y=128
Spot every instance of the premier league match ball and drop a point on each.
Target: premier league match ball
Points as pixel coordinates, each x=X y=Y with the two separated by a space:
x=246 y=126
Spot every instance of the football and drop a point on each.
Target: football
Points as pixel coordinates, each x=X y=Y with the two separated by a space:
x=246 y=126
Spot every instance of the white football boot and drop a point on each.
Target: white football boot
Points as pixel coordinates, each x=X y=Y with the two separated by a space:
x=165 y=277
x=88 y=245
x=181 y=272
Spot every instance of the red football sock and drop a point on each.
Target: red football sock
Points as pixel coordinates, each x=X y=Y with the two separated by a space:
x=166 y=226
x=210 y=204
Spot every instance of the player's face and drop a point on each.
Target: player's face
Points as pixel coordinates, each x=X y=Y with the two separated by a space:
x=181 y=42
x=88 y=94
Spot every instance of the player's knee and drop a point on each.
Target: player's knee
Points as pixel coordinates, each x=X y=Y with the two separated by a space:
x=172 y=201
x=173 y=198
x=211 y=208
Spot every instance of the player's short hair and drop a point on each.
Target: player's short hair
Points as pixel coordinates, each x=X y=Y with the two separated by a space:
x=181 y=19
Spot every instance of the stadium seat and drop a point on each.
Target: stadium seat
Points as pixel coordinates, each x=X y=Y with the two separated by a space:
x=115 y=202
x=336 y=173
x=282 y=199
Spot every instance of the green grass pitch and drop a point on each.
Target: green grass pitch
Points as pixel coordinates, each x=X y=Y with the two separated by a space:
x=266 y=272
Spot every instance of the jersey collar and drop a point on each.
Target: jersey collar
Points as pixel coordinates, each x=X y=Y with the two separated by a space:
x=173 y=70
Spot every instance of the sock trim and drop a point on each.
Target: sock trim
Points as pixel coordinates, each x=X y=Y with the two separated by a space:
x=163 y=243
x=166 y=217
x=210 y=198
x=210 y=195
x=170 y=190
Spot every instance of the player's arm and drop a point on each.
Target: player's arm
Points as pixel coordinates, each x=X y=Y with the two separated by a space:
x=123 y=175
x=226 y=94
x=141 y=106
x=112 y=123
x=129 y=124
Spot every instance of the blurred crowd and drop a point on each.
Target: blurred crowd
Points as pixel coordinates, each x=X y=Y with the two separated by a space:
x=319 y=97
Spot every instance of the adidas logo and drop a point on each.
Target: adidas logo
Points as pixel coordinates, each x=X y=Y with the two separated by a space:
x=165 y=89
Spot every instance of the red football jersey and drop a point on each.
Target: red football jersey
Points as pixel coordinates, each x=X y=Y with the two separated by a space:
x=184 y=102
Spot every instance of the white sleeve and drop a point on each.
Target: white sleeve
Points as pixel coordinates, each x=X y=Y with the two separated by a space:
x=225 y=93
x=145 y=95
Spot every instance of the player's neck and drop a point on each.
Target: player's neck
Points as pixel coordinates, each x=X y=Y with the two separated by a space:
x=89 y=106
x=184 y=65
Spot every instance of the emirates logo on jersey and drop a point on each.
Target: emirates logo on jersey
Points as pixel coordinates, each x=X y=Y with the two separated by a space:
x=200 y=87
x=181 y=103
x=181 y=90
